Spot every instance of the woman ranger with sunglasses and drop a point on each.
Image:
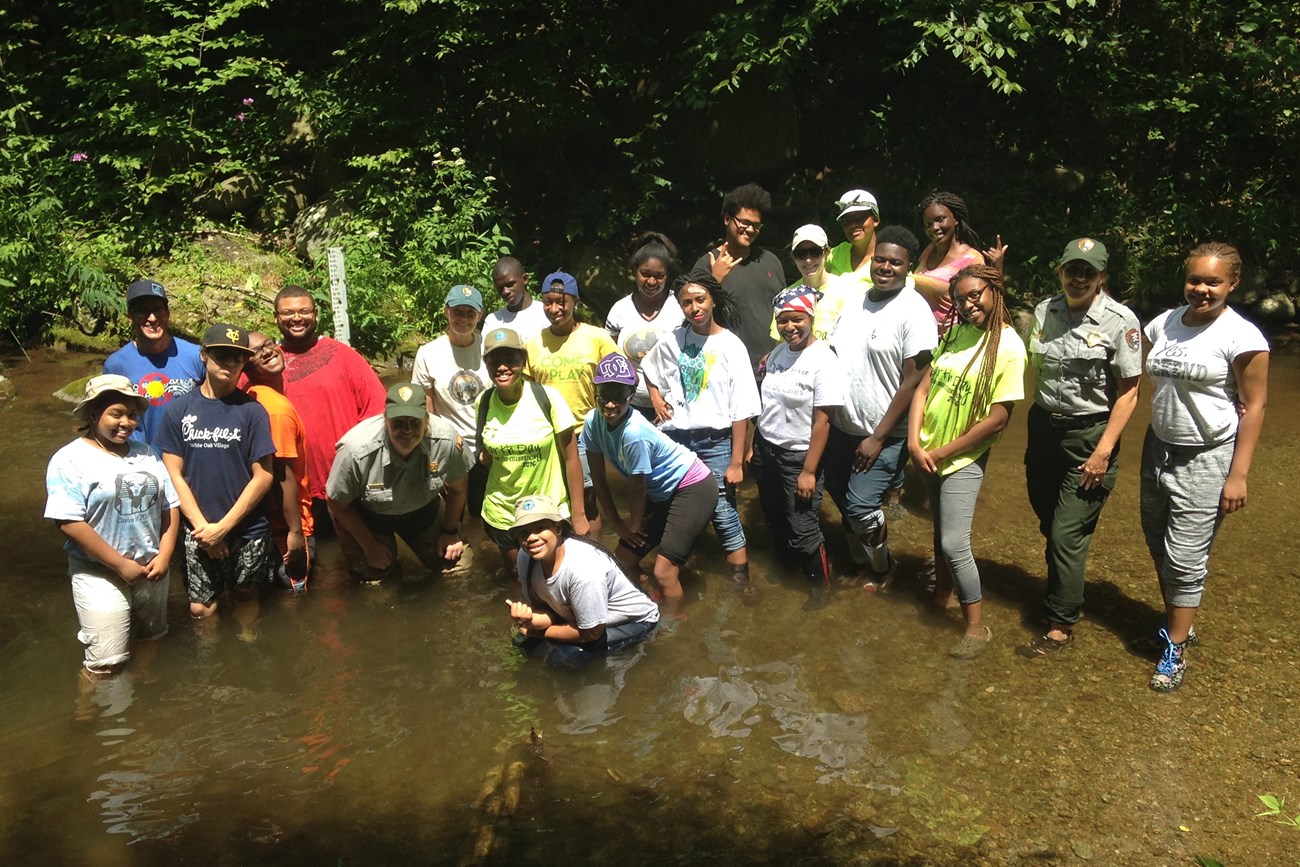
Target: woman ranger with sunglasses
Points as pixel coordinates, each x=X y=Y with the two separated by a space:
x=1086 y=351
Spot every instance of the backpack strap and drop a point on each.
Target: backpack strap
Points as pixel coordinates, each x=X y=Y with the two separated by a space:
x=484 y=402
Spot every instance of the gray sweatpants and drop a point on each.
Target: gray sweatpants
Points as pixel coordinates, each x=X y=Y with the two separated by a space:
x=952 y=505
x=1181 y=487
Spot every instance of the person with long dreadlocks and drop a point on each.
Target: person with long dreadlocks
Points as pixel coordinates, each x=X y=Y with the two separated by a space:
x=961 y=405
x=953 y=246
x=802 y=385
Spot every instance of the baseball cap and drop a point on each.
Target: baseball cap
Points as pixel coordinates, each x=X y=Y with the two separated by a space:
x=538 y=507
x=105 y=383
x=501 y=338
x=144 y=289
x=570 y=283
x=614 y=368
x=856 y=201
x=223 y=334
x=811 y=233
x=404 y=401
x=462 y=295
x=1087 y=250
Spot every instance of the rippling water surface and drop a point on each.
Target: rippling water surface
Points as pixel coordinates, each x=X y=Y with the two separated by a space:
x=394 y=724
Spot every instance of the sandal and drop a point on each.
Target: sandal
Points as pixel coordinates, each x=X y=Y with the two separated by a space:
x=969 y=647
x=1044 y=645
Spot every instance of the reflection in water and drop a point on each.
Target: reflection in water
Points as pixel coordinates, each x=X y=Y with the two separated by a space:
x=382 y=725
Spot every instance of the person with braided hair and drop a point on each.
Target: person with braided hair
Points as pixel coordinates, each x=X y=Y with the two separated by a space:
x=953 y=246
x=961 y=405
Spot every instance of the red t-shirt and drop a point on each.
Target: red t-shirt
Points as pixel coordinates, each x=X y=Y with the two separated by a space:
x=333 y=388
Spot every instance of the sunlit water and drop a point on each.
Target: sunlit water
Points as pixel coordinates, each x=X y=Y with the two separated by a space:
x=395 y=724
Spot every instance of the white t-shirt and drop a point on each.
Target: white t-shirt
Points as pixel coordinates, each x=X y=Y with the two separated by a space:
x=706 y=380
x=588 y=590
x=794 y=383
x=872 y=340
x=456 y=376
x=636 y=336
x=121 y=498
x=1194 y=402
x=527 y=323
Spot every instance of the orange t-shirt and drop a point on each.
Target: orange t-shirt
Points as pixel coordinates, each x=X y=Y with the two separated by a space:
x=290 y=441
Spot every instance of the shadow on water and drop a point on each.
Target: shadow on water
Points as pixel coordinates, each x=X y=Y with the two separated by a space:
x=394 y=724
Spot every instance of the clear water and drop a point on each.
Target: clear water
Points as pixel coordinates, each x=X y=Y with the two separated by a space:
x=395 y=725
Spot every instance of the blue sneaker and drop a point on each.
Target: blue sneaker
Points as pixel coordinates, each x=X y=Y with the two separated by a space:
x=1170 y=668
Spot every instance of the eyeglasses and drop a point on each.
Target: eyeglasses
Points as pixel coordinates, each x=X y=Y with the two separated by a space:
x=406 y=422
x=1081 y=269
x=809 y=253
x=295 y=314
x=227 y=356
x=620 y=395
x=264 y=350
x=749 y=225
x=970 y=297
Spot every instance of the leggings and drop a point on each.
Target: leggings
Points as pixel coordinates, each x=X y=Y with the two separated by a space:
x=952 y=503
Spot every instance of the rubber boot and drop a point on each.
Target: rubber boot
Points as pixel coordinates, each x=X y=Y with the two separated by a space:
x=819 y=580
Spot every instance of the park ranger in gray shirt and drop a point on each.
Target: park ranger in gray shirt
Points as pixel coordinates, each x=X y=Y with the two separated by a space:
x=1086 y=351
x=390 y=474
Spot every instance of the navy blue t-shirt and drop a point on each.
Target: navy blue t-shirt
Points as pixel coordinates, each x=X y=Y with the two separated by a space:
x=219 y=440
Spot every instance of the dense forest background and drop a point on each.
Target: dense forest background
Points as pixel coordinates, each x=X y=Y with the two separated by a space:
x=428 y=136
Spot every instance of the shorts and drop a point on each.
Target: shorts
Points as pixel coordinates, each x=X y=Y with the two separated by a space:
x=248 y=566
x=674 y=524
x=109 y=610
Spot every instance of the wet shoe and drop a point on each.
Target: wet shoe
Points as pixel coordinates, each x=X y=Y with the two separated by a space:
x=1044 y=645
x=969 y=647
x=1170 y=668
x=818 y=598
x=1152 y=644
x=879 y=581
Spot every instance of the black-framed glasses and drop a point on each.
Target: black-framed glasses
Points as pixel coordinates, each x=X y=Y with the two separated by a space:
x=753 y=225
x=264 y=348
x=622 y=394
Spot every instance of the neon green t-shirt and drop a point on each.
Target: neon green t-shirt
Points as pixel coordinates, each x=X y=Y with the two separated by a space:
x=525 y=457
x=948 y=405
x=840 y=261
x=568 y=364
x=836 y=291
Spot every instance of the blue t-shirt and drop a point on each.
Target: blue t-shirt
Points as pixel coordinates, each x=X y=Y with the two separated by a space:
x=638 y=448
x=160 y=378
x=219 y=440
x=122 y=499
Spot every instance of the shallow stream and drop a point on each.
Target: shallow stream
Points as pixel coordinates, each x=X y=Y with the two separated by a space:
x=395 y=724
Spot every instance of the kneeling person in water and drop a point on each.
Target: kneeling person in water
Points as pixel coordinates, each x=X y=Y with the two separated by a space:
x=577 y=603
x=390 y=473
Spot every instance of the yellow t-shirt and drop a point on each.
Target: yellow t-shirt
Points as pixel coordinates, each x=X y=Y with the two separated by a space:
x=948 y=405
x=568 y=364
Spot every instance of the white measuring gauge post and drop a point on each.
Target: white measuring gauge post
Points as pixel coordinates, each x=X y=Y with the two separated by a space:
x=339 y=296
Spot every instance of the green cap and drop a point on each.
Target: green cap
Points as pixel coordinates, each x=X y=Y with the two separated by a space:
x=404 y=401
x=1087 y=250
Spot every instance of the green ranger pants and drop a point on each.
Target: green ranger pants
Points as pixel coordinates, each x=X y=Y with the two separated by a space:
x=1067 y=514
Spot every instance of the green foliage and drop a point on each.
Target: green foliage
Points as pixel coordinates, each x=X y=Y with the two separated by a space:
x=1275 y=806
x=424 y=223
x=438 y=125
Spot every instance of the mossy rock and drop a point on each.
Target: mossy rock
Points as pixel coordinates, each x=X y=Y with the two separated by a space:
x=75 y=390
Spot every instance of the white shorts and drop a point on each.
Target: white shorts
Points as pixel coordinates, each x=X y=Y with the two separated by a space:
x=109 y=610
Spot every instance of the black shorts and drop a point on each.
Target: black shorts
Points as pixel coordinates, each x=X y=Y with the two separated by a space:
x=674 y=524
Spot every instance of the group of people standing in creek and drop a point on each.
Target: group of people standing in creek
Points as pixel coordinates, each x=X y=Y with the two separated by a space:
x=244 y=449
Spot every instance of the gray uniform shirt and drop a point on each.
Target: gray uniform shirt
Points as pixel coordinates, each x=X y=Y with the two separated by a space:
x=1078 y=365
x=369 y=473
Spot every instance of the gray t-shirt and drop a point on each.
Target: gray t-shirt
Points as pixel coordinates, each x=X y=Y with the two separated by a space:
x=589 y=588
x=752 y=284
